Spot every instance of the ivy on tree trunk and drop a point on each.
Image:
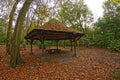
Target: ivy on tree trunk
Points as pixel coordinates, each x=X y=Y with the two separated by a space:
x=15 y=50
x=9 y=30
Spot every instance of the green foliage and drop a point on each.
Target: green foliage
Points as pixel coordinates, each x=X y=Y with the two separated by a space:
x=115 y=1
x=47 y=43
x=106 y=32
x=3 y=26
x=116 y=73
x=114 y=45
x=31 y=27
x=78 y=16
x=75 y=14
x=2 y=37
x=43 y=12
x=39 y=44
x=43 y=59
x=87 y=42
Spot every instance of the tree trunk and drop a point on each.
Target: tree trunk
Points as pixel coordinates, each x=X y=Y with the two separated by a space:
x=9 y=33
x=15 y=54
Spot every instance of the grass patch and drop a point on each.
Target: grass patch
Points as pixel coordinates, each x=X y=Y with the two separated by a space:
x=116 y=73
x=43 y=59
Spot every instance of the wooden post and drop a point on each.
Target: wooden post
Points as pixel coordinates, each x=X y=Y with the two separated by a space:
x=71 y=45
x=42 y=46
x=64 y=44
x=74 y=47
x=31 y=52
x=57 y=44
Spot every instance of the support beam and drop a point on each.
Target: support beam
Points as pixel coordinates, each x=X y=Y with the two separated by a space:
x=74 y=47
x=31 y=51
x=71 y=41
x=42 y=57
x=64 y=43
x=42 y=46
x=57 y=44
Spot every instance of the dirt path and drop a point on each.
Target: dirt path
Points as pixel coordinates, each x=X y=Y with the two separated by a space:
x=90 y=64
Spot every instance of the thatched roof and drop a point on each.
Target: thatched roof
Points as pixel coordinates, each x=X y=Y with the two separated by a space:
x=53 y=30
x=55 y=25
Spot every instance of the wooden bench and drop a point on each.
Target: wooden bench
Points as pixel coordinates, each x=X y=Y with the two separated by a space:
x=51 y=51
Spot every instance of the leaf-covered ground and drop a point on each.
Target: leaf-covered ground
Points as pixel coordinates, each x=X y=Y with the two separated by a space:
x=90 y=64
